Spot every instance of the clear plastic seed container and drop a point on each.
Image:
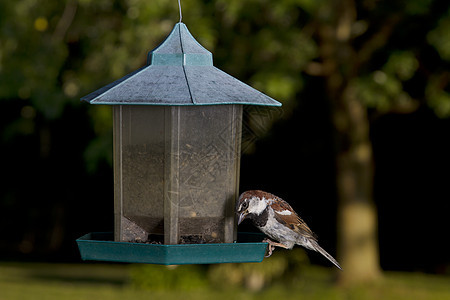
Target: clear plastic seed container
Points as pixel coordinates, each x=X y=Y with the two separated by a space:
x=176 y=173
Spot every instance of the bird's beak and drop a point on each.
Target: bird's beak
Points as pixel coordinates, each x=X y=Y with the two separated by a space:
x=242 y=216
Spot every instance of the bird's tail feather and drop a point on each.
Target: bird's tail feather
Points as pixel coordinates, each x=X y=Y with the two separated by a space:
x=319 y=249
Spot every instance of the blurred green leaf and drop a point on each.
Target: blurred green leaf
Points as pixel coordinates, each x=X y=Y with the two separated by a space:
x=402 y=64
x=255 y=276
x=440 y=37
x=437 y=95
x=168 y=278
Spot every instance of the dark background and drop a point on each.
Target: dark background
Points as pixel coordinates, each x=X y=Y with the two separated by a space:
x=49 y=202
x=55 y=152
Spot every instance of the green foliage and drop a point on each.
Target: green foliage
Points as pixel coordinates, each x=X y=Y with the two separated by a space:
x=53 y=53
x=31 y=57
x=383 y=89
x=255 y=276
x=181 y=278
x=100 y=281
x=438 y=88
x=402 y=64
x=439 y=37
x=100 y=148
x=281 y=267
x=438 y=97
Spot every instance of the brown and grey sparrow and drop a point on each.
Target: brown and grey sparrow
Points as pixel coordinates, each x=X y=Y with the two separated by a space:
x=276 y=218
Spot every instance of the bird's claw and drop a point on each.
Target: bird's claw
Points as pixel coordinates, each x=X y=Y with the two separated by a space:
x=270 y=247
x=269 y=250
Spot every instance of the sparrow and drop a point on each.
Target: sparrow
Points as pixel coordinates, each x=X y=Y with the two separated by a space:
x=276 y=219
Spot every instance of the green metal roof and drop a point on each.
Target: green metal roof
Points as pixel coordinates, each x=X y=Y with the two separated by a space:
x=179 y=72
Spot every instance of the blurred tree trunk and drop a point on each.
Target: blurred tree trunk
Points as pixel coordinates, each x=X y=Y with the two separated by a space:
x=357 y=216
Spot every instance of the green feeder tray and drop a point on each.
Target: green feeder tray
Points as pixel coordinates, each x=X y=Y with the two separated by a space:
x=100 y=246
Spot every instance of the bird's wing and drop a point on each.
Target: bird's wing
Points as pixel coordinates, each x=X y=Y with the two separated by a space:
x=288 y=217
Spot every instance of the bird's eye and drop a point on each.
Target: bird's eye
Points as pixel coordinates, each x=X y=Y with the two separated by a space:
x=244 y=205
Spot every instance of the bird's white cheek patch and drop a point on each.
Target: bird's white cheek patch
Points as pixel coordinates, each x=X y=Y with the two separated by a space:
x=257 y=206
x=284 y=212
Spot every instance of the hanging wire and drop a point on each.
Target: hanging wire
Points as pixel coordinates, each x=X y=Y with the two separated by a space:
x=179 y=7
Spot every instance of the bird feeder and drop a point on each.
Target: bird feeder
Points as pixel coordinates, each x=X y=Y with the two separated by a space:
x=177 y=134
